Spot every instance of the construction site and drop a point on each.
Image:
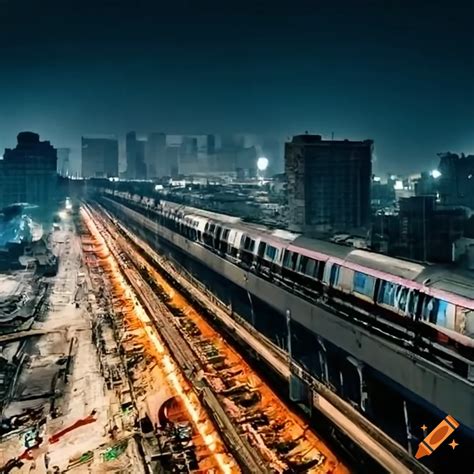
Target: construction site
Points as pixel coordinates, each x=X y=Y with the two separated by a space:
x=121 y=369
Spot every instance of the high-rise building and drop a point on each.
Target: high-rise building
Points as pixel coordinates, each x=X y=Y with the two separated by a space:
x=99 y=157
x=140 y=165
x=28 y=173
x=188 y=156
x=172 y=156
x=328 y=184
x=456 y=180
x=64 y=166
x=211 y=144
x=135 y=153
x=427 y=230
x=155 y=156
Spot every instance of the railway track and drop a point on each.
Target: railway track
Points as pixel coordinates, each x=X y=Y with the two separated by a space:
x=257 y=428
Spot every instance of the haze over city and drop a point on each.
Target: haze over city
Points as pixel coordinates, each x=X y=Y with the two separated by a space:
x=398 y=72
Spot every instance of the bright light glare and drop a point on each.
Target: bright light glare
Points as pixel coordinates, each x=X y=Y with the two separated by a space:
x=262 y=163
x=436 y=174
x=158 y=187
x=398 y=185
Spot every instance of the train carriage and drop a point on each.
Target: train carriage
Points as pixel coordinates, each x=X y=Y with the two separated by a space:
x=413 y=301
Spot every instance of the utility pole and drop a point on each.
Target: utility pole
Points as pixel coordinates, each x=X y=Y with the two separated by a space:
x=288 y=329
x=424 y=228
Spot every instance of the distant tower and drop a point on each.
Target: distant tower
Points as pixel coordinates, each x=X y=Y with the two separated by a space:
x=64 y=167
x=155 y=156
x=135 y=154
x=99 y=157
x=328 y=184
x=28 y=173
x=188 y=155
x=131 y=152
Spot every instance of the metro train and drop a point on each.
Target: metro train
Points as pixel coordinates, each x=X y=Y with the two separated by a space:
x=413 y=301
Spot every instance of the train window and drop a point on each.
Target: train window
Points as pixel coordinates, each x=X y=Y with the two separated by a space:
x=248 y=243
x=311 y=267
x=320 y=270
x=468 y=328
x=430 y=309
x=363 y=284
x=252 y=245
x=270 y=252
x=290 y=259
x=442 y=313
x=401 y=298
x=387 y=293
x=334 y=276
x=412 y=302
x=302 y=264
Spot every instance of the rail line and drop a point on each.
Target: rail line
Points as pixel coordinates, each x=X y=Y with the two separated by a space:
x=260 y=430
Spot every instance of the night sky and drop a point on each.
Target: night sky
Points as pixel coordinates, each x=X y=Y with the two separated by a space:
x=400 y=72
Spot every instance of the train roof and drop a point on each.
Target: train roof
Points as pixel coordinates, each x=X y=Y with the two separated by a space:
x=380 y=262
x=371 y=260
x=446 y=279
x=202 y=213
x=443 y=280
x=280 y=235
x=328 y=249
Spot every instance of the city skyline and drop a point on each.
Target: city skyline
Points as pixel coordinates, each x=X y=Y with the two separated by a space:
x=397 y=73
x=380 y=166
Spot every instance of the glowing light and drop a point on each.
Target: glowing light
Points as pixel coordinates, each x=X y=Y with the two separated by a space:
x=435 y=174
x=170 y=369
x=178 y=183
x=158 y=187
x=398 y=185
x=262 y=163
x=377 y=179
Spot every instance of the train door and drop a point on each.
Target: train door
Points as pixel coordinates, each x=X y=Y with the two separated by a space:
x=259 y=259
x=217 y=237
x=247 y=248
x=334 y=275
x=234 y=244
